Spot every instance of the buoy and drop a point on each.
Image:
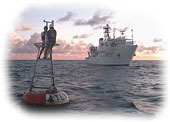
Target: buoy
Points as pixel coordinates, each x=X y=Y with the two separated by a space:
x=45 y=97
x=40 y=95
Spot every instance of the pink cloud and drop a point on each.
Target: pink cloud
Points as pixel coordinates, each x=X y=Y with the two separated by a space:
x=66 y=50
x=83 y=36
x=23 y=28
x=15 y=39
x=73 y=49
x=157 y=40
x=20 y=45
x=149 y=50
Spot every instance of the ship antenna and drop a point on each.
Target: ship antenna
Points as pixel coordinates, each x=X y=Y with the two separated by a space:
x=132 y=35
x=114 y=29
x=122 y=32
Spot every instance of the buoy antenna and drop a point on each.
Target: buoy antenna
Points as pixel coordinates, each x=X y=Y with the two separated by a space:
x=47 y=22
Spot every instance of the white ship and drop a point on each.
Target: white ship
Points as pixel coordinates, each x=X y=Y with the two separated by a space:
x=112 y=51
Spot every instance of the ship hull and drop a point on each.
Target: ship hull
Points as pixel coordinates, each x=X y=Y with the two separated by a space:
x=121 y=55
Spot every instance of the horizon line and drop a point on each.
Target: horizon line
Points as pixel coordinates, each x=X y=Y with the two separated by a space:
x=84 y=60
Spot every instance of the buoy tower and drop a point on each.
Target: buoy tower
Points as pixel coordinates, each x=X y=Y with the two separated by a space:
x=40 y=95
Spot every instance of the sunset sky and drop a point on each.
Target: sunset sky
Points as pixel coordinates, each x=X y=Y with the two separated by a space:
x=80 y=25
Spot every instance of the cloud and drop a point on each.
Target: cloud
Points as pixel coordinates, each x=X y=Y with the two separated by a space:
x=19 y=45
x=97 y=19
x=157 y=40
x=67 y=17
x=98 y=27
x=14 y=37
x=83 y=36
x=122 y=29
x=149 y=50
x=23 y=28
x=74 y=49
x=71 y=51
x=155 y=49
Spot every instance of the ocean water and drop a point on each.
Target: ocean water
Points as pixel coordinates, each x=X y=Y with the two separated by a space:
x=137 y=89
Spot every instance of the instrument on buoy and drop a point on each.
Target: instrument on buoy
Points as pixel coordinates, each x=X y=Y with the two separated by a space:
x=39 y=95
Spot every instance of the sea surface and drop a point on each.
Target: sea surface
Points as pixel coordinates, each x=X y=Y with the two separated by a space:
x=137 y=89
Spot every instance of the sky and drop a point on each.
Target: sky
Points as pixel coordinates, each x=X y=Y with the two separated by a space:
x=79 y=26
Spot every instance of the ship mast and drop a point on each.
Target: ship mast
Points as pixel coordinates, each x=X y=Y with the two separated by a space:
x=132 y=35
x=114 y=29
x=106 y=32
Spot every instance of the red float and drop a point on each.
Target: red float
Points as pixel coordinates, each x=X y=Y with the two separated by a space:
x=47 y=97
